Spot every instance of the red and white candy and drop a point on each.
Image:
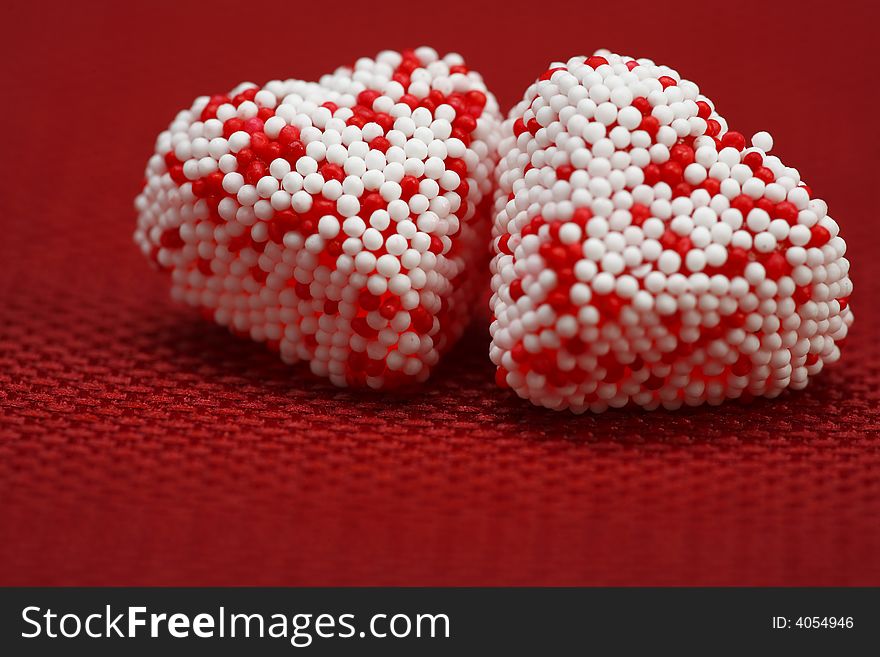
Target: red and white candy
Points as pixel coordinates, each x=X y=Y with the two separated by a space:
x=336 y=221
x=646 y=255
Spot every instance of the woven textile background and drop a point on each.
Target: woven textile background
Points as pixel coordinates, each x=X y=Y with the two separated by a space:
x=141 y=445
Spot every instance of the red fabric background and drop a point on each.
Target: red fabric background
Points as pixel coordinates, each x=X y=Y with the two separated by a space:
x=140 y=445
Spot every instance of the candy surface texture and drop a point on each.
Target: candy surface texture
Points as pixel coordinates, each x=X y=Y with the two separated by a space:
x=647 y=255
x=344 y=223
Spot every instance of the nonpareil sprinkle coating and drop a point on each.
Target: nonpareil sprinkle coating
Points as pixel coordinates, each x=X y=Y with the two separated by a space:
x=646 y=254
x=344 y=223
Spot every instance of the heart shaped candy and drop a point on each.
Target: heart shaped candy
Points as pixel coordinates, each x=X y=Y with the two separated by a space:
x=645 y=255
x=339 y=222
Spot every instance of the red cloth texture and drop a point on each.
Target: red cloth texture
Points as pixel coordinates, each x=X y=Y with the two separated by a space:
x=141 y=445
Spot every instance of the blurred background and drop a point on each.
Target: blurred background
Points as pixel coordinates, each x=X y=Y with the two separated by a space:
x=142 y=445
